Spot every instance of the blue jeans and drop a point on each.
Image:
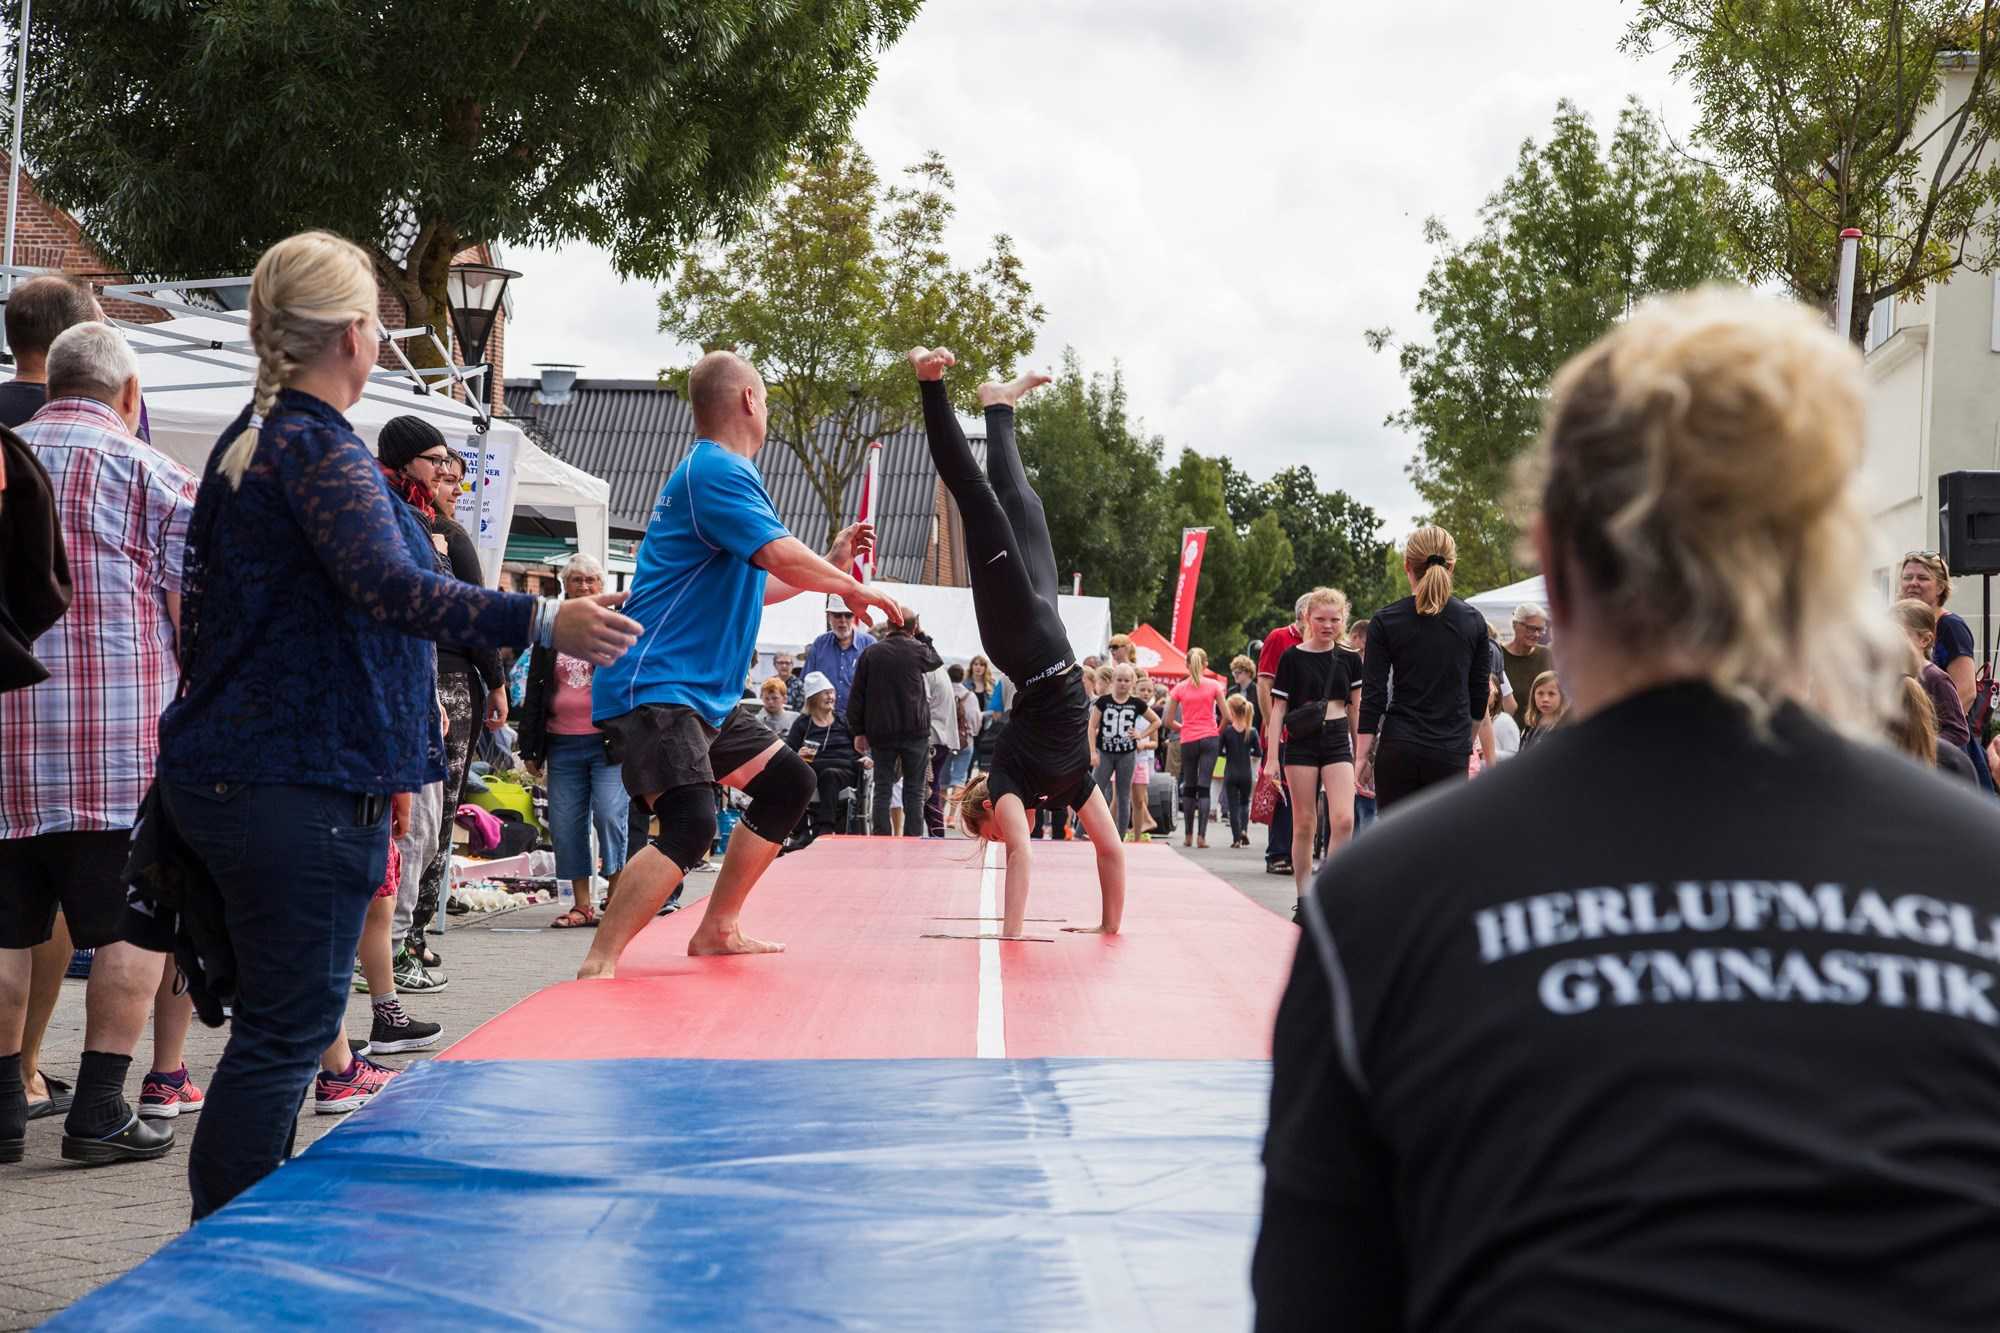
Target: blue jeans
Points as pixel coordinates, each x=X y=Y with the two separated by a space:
x=1364 y=812
x=961 y=768
x=296 y=867
x=585 y=789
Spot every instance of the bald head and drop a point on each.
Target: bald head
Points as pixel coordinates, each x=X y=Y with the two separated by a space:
x=727 y=395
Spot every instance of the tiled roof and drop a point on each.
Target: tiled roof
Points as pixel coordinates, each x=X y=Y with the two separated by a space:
x=633 y=433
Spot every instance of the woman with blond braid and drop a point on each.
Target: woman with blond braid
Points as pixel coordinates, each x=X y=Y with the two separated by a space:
x=1435 y=646
x=311 y=591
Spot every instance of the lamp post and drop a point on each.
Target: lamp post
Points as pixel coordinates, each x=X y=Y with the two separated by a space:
x=475 y=292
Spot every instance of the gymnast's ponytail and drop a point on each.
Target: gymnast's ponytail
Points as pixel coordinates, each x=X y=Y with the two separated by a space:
x=1430 y=555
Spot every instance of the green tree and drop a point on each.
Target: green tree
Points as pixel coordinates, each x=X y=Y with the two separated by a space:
x=1240 y=567
x=1336 y=540
x=1827 y=114
x=1099 y=479
x=834 y=278
x=187 y=137
x=1574 y=237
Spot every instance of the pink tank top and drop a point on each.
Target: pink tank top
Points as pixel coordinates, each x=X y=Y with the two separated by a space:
x=1197 y=701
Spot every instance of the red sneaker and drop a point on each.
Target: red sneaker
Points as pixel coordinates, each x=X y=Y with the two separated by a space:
x=337 y=1094
x=161 y=1100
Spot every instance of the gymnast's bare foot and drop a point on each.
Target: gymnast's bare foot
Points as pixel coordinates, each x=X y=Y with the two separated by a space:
x=930 y=362
x=706 y=943
x=1012 y=392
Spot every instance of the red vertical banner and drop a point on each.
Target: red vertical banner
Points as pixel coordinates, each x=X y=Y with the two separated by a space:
x=1194 y=542
x=871 y=492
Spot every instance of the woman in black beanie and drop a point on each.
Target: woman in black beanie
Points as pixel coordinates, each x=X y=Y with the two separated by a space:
x=412 y=452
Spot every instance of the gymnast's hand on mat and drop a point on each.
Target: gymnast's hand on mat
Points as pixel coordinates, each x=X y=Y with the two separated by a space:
x=855 y=539
x=588 y=627
x=930 y=362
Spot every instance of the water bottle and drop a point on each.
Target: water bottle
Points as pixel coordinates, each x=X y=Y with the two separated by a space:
x=566 y=892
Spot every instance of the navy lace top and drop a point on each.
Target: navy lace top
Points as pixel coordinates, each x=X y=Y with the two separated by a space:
x=310 y=602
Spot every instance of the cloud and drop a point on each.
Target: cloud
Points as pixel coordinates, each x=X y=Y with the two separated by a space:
x=1218 y=197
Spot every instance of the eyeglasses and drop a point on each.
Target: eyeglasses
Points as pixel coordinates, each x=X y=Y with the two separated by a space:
x=435 y=460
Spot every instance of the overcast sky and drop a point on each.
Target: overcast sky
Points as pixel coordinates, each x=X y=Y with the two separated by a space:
x=1218 y=197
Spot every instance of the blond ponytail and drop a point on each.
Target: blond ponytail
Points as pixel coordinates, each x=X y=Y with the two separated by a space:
x=306 y=291
x=1429 y=555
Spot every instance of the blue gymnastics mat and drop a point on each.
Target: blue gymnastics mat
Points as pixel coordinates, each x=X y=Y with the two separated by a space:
x=822 y=1194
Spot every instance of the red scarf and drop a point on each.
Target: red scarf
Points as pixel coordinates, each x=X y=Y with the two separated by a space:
x=412 y=490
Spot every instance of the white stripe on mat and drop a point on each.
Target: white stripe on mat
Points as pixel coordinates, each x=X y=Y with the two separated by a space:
x=992 y=1039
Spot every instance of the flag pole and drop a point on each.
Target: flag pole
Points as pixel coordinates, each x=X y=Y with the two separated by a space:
x=14 y=154
x=1850 y=244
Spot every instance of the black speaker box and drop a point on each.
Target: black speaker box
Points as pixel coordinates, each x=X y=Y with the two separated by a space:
x=1969 y=522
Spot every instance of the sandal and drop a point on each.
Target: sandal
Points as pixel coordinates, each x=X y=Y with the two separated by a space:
x=576 y=918
x=56 y=1103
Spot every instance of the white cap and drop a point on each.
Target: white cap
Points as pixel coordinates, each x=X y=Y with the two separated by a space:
x=815 y=682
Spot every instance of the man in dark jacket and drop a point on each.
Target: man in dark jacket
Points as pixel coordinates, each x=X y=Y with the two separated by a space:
x=890 y=716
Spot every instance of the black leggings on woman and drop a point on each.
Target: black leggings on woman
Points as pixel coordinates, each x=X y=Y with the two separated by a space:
x=1007 y=545
x=1197 y=777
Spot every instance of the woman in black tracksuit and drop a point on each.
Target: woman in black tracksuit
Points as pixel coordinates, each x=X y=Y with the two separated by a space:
x=1042 y=761
x=1435 y=646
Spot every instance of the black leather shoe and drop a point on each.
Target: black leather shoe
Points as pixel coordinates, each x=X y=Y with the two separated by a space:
x=139 y=1141
x=12 y=1149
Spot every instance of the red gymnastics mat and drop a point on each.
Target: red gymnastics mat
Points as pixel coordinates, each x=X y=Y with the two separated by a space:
x=1195 y=974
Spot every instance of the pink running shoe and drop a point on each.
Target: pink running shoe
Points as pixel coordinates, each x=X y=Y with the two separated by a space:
x=337 y=1094
x=161 y=1100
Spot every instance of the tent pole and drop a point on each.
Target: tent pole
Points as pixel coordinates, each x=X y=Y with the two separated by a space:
x=14 y=154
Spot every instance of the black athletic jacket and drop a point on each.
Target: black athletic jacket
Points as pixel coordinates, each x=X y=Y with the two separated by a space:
x=887 y=703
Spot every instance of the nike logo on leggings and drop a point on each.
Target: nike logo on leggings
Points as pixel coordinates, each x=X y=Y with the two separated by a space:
x=1001 y=556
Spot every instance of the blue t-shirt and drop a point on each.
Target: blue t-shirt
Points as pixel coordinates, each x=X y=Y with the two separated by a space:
x=1954 y=639
x=696 y=592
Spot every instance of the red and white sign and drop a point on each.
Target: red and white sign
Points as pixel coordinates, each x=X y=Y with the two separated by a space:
x=1194 y=542
x=871 y=490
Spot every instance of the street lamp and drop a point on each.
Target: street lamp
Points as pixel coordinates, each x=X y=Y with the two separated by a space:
x=475 y=291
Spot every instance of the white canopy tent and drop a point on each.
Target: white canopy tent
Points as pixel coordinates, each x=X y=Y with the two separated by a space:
x=195 y=383
x=946 y=615
x=1498 y=605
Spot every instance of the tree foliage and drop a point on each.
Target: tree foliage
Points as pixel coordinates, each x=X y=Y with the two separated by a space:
x=832 y=280
x=1335 y=540
x=1241 y=566
x=1101 y=487
x=1827 y=114
x=187 y=137
x=1573 y=238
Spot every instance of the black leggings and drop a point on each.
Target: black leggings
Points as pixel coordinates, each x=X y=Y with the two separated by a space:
x=1007 y=545
x=1403 y=770
x=1197 y=776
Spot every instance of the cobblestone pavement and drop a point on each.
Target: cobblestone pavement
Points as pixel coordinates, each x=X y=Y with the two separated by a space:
x=66 y=1230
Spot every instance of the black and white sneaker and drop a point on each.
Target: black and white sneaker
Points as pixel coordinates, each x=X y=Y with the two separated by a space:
x=396 y=1031
x=413 y=978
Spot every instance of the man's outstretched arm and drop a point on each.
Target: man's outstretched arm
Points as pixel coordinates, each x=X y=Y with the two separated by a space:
x=856 y=539
x=791 y=562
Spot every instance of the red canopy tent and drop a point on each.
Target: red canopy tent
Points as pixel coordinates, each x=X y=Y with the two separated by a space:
x=1158 y=657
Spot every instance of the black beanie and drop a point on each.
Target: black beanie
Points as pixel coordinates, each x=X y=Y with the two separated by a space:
x=403 y=438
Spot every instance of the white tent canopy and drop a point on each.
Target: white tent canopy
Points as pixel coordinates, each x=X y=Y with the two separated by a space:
x=194 y=390
x=946 y=615
x=1498 y=605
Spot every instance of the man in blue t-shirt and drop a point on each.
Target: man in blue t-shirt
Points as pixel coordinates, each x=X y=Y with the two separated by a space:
x=714 y=556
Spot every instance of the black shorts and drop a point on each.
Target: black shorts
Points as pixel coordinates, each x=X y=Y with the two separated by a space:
x=1331 y=746
x=660 y=747
x=82 y=872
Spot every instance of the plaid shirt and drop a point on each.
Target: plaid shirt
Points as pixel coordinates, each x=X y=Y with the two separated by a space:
x=77 y=751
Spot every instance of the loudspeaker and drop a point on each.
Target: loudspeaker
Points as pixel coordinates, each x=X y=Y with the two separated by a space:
x=1969 y=522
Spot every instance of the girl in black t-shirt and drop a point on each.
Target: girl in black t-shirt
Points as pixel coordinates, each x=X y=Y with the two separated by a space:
x=1240 y=751
x=1315 y=703
x=1118 y=722
x=1544 y=713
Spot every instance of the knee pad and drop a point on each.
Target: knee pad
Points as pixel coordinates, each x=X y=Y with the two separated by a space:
x=779 y=796
x=687 y=824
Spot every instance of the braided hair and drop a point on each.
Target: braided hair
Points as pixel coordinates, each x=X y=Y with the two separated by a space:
x=306 y=291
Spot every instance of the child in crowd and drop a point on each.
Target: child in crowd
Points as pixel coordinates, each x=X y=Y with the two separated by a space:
x=1545 y=710
x=1119 y=720
x=1240 y=750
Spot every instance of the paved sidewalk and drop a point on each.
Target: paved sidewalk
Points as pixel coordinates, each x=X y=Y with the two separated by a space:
x=66 y=1230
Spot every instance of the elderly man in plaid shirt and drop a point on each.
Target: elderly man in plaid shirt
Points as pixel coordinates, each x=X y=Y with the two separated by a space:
x=77 y=751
